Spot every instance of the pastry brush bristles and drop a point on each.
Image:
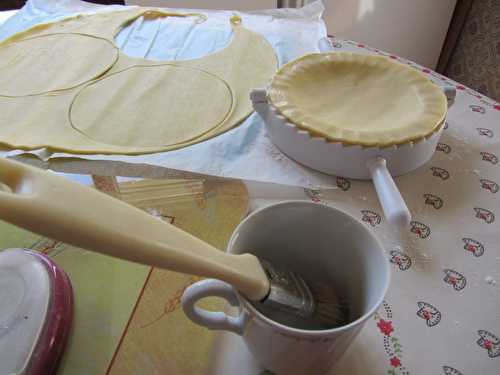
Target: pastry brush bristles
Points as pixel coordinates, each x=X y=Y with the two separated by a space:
x=312 y=305
x=329 y=311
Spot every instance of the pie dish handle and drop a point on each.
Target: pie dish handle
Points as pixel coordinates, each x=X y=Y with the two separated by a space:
x=395 y=210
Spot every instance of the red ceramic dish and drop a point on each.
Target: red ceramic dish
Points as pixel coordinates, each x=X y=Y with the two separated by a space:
x=36 y=323
x=54 y=336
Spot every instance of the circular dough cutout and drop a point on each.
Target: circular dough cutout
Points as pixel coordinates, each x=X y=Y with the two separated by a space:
x=40 y=64
x=151 y=106
x=358 y=99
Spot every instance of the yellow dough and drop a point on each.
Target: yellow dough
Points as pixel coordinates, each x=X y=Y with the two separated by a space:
x=358 y=99
x=147 y=103
x=40 y=64
x=67 y=87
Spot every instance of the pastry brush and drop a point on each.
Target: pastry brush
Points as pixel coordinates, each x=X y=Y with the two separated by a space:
x=58 y=208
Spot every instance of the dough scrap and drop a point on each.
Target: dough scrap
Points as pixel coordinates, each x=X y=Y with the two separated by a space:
x=122 y=106
x=41 y=64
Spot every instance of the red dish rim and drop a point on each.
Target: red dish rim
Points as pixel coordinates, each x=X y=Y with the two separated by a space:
x=54 y=336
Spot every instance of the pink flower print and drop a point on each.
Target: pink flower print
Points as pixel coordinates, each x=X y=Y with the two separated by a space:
x=402 y=260
x=429 y=313
x=489 y=157
x=371 y=217
x=420 y=229
x=455 y=279
x=489 y=185
x=385 y=327
x=490 y=342
x=473 y=246
x=395 y=362
x=487 y=344
x=486 y=215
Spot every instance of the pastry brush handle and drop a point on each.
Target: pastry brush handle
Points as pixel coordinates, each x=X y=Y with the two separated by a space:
x=67 y=211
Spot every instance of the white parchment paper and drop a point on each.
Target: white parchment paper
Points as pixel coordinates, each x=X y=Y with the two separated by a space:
x=244 y=152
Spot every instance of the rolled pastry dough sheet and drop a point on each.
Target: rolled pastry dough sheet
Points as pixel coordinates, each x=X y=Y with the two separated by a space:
x=53 y=62
x=358 y=99
x=147 y=103
x=136 y=106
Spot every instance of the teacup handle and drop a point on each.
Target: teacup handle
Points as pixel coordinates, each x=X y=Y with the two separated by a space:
x=210 y=319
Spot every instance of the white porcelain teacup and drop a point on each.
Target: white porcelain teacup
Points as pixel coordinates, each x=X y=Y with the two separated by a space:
x=324 y=245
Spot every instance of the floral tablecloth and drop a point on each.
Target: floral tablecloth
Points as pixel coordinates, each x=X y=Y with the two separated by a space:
x=442 y=312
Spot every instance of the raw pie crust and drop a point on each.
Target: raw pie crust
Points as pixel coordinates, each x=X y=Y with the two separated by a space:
x=358 y=99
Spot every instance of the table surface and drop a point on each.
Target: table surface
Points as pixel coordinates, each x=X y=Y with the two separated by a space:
x=442 y=312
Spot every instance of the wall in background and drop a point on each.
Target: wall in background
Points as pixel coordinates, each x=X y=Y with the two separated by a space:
x=414 y=29
x=207 y=4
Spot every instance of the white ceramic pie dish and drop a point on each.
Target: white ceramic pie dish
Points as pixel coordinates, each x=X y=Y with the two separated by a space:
x=351 y=161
